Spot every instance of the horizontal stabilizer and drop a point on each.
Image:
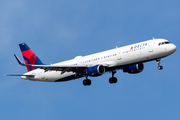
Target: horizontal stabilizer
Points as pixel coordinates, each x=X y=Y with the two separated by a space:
x=19 y=75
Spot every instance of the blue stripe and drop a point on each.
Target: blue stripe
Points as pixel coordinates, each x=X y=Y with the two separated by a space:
x=23 y=47
x=38 y=62
x=28 y=62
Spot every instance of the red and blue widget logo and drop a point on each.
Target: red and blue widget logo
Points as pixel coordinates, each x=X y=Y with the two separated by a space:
x=29 y=56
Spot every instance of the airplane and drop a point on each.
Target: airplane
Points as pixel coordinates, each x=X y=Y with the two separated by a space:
x=129 y=58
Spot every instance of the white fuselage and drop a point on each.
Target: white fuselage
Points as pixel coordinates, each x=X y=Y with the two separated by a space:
x=114 y=58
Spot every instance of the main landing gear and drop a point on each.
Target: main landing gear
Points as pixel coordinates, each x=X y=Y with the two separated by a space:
x=160 y=67
x=113 y=79
x=86 y=82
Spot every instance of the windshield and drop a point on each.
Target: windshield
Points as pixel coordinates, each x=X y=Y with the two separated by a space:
x=162 y=43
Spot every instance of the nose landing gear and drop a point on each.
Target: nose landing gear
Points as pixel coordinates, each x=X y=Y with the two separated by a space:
x=160 y=67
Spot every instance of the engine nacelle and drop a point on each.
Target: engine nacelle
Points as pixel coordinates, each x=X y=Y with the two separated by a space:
x=133 y=69
x=96 y=70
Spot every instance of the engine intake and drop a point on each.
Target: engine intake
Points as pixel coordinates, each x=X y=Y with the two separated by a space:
x=133 y=69
x=96 y=70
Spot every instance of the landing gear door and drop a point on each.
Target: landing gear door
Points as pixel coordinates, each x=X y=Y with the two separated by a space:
x=151 y=47
x=118 y=53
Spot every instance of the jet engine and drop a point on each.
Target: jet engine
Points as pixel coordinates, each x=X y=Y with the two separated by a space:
x=133 y=69
x=95 y=70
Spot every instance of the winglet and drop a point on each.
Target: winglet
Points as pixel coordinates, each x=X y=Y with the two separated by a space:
x=19 y=61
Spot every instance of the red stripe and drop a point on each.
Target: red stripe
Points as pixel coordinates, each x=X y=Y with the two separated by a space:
x=27 y=53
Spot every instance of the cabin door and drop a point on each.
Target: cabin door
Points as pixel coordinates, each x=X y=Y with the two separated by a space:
x=151 y=47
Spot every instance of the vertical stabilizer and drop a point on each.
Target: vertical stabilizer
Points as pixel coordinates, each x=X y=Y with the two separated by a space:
x=29 y=56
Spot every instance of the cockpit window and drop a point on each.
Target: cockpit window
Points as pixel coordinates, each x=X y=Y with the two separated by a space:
x=166 y=42
x=162 y=43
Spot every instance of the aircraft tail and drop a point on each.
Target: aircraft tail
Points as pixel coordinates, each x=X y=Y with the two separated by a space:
x=29 y=57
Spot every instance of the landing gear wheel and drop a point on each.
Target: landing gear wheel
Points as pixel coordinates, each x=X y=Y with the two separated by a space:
x=160 y=67
x=86 y=82
x=113 y=80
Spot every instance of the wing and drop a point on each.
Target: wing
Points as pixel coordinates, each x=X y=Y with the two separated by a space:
x=63 y=68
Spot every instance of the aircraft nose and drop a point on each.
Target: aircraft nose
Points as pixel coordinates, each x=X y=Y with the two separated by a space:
x=173 y=48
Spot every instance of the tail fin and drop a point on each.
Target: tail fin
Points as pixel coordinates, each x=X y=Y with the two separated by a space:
x=29 y=56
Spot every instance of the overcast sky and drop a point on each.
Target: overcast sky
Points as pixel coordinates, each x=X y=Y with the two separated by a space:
x=59 y=30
